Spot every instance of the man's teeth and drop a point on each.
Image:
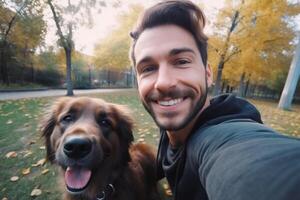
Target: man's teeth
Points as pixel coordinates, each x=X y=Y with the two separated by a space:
x=170 y=102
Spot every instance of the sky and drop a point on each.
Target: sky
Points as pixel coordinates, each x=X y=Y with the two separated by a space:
x=86 y=38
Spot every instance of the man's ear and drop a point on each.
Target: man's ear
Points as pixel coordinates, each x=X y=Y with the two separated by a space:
x=209 y=75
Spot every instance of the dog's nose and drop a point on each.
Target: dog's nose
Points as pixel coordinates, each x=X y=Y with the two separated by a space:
x=77 y=147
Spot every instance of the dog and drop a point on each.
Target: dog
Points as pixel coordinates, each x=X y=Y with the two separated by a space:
x=91 y=141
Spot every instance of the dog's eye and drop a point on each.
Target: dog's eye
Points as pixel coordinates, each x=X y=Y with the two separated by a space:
x=68 y=118
x=105 y=123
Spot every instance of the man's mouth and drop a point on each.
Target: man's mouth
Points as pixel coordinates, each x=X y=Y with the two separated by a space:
x=77 y=179
x=171 y=102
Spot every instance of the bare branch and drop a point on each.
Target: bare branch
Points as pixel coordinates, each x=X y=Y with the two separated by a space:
x=56 y=20
x=13 y=19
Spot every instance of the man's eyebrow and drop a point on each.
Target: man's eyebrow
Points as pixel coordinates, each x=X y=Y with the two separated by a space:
x=173 y=52
x=176 y=51
x=144 y=60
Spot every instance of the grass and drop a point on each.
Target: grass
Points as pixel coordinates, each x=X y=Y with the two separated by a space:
x=19 y=86
x=18 y=132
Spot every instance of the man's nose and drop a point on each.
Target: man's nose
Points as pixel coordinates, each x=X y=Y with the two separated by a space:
x=166 y=78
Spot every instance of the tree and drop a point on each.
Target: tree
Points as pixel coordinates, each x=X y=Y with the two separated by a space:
x=263 y=40
x=291 y=82
x=22 y=29
x=47 y=68
x=112 y=52
x=66 y=17
x=228 y=49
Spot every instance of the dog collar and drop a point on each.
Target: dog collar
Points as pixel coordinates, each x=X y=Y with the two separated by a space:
x=106 y=193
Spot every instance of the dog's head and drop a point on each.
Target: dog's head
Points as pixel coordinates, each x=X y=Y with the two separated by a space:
x=85 y=136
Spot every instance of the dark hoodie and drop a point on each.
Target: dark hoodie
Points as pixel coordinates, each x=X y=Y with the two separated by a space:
x=230 y=155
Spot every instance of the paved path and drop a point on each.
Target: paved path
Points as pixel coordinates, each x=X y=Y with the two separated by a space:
x=48 y=93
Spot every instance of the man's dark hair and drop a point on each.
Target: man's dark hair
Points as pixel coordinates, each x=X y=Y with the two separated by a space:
x=184 y=14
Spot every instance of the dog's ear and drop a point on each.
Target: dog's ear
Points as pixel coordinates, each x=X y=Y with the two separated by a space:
x=48 y=124
x=124 y=126
x=124 y=122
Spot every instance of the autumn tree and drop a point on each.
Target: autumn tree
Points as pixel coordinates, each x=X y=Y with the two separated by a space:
x=67 y=17
x=112 y=52
x=47 y=67
x=231 y=17
x=263 y=39
x=22 y=29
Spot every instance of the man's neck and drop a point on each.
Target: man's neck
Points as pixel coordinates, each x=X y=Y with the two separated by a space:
x=179 y=137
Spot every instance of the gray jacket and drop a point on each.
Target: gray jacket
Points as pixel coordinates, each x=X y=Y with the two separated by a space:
x=231 y=155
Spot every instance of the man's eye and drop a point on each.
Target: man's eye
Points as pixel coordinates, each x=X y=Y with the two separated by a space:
x=67 y=119
x=148 y=69
x=182 y=62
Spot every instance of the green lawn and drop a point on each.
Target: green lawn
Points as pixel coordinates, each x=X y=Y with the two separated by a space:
x=18 y=133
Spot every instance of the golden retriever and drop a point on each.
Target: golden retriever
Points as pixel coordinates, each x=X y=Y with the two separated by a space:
x=91 y=141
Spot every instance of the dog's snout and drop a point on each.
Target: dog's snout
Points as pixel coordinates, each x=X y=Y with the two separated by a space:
x=77 y=147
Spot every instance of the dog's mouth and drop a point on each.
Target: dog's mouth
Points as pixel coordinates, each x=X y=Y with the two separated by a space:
x=77 y=179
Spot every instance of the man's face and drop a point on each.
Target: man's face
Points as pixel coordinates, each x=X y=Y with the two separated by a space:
x=170 y=75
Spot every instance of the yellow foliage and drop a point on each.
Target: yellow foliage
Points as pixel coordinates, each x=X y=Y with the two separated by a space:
x=263 y=36
x=112 y=52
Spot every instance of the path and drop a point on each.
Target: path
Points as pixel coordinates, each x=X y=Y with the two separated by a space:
x=48 y=93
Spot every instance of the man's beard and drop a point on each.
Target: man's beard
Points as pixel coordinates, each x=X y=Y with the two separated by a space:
x=173 y=94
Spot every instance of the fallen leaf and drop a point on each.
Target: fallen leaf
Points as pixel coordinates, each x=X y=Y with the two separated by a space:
x=28 y=153
x=9 y=122
x=39 y=163
x=14 y=178
x=141 y=140
x=4 y=198
x=45 y=171
x=36 y=192
x=32 y=142
x=11 y=154
x=42 y=147
x=26 y=171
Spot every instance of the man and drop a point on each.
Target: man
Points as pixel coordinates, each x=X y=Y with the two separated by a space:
x=217 y=148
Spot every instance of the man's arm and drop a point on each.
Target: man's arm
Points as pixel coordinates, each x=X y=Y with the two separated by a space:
x=242 y=160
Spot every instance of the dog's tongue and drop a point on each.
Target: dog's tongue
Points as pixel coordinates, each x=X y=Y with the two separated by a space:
x=77 y=178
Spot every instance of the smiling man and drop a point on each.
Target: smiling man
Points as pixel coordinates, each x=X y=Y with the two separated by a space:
x=171 y=79
x=210 y=148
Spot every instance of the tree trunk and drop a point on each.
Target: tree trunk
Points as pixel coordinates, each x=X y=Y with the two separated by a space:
x=90 y=77
x=108 y=77
x=68 y=53
x=246 y=88
x=223 y=57
x=3 y=63
x=291 y=82
x=242 y=85
x=219 y=78
x=223 y=87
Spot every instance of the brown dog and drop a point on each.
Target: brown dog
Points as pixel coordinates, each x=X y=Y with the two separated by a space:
x=90 y=140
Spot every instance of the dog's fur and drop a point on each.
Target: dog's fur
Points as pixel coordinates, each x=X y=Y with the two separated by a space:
x=111 y=157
